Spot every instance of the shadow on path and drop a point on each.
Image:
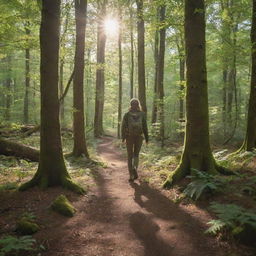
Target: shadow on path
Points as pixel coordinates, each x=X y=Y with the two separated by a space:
x=146 y=230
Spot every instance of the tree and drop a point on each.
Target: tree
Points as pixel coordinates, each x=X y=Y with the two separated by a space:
x=160 y=73
x=197 y=152
x=120 y=80
x=250 y=138
x=141 y=55
x=51 y=170
x=80 y=147
x=100 y=78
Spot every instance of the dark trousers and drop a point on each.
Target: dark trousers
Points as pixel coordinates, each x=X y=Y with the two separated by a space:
x=133 y=146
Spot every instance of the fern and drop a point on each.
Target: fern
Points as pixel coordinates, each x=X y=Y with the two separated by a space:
x=231 y=216
x=203 y=182
x=13 y=244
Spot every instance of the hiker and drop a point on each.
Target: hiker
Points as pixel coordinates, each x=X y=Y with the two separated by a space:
x=134 y=126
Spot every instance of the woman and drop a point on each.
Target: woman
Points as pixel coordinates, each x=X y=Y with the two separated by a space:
x=134 y=125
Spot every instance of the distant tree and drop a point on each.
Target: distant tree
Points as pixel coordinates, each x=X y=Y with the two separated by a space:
x=80 y=147
x=100 y=77
x=160 y=73
x=120 y=79
x=250 y=138
x=141 y=55
x=51 y=170
x=197 y=153
x=132 y=53
x=156 y=59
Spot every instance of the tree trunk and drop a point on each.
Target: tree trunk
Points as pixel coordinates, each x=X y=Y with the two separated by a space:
x=197 y=152
x=80 y=147
x=27 y=81
x=10 y=148
x=160 y=73
x=51 y=170
x=141 y=55
x=132 y=55
x=8 y=84
x=61 y=88
x=100 y=78
x=120 y=91
x=156 y=59
x=250 y=138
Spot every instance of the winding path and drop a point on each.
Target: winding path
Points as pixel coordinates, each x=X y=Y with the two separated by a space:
x=122 y=219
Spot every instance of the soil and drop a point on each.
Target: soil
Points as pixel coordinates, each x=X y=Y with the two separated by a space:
x=115 y=218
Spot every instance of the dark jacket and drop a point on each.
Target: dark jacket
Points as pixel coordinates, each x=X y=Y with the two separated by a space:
x=125 y=126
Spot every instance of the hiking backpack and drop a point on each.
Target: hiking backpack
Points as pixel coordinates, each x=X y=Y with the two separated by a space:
x=135 y=123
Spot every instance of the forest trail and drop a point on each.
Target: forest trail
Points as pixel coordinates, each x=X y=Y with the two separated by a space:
x=122 y=219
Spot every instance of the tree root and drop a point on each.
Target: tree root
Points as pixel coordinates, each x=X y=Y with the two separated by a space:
x=43 y=183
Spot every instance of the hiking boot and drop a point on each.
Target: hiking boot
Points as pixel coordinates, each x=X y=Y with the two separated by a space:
x=131 y=179
x=135 y=174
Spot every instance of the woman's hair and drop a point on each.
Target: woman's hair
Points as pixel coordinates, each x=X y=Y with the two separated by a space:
x=135 y=105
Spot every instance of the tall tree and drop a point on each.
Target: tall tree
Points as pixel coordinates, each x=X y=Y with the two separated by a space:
x=8 y=90
x=250 y=138
x=132 y=53
x=160 y=73
x=197 y=153
x=100 y=77
x=156 y=59
x=141 y=55
x=120 y=80
x=51 y=170
x=27 y=77
x=80 y=147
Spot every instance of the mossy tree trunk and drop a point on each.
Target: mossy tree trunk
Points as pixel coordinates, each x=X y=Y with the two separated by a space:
x=197 y=152
x=250 y=138
x=100 y=76
x=51 y=170
x=79 y=148
x=141 y=55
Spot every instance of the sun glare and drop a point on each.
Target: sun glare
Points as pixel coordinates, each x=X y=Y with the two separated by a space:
x=111 y=27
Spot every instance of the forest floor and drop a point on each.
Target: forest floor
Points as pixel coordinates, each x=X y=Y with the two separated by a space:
x=115 y=217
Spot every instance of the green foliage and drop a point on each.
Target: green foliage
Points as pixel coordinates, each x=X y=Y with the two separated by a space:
x=14 y=245
x=203 y=182
x=231 y=217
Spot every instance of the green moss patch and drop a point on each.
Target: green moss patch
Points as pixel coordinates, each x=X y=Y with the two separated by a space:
x=63 y=206
x=26 y=227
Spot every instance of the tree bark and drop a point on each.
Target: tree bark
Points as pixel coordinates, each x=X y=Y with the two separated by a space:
x=51 y=170
x=160 y=73
x=79 y=148
x=120 y=82
x=27 y=80
x=197 y=152
x=100 y=77
x=156 y=59
x=132 y=55
x=8 y=84
x=250 y=138
x=10 y=148
x=141 y=55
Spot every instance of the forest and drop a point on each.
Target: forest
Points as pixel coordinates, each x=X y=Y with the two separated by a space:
x=70 y=72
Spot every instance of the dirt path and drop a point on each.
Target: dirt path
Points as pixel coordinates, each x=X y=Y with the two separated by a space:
x=122 y=219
